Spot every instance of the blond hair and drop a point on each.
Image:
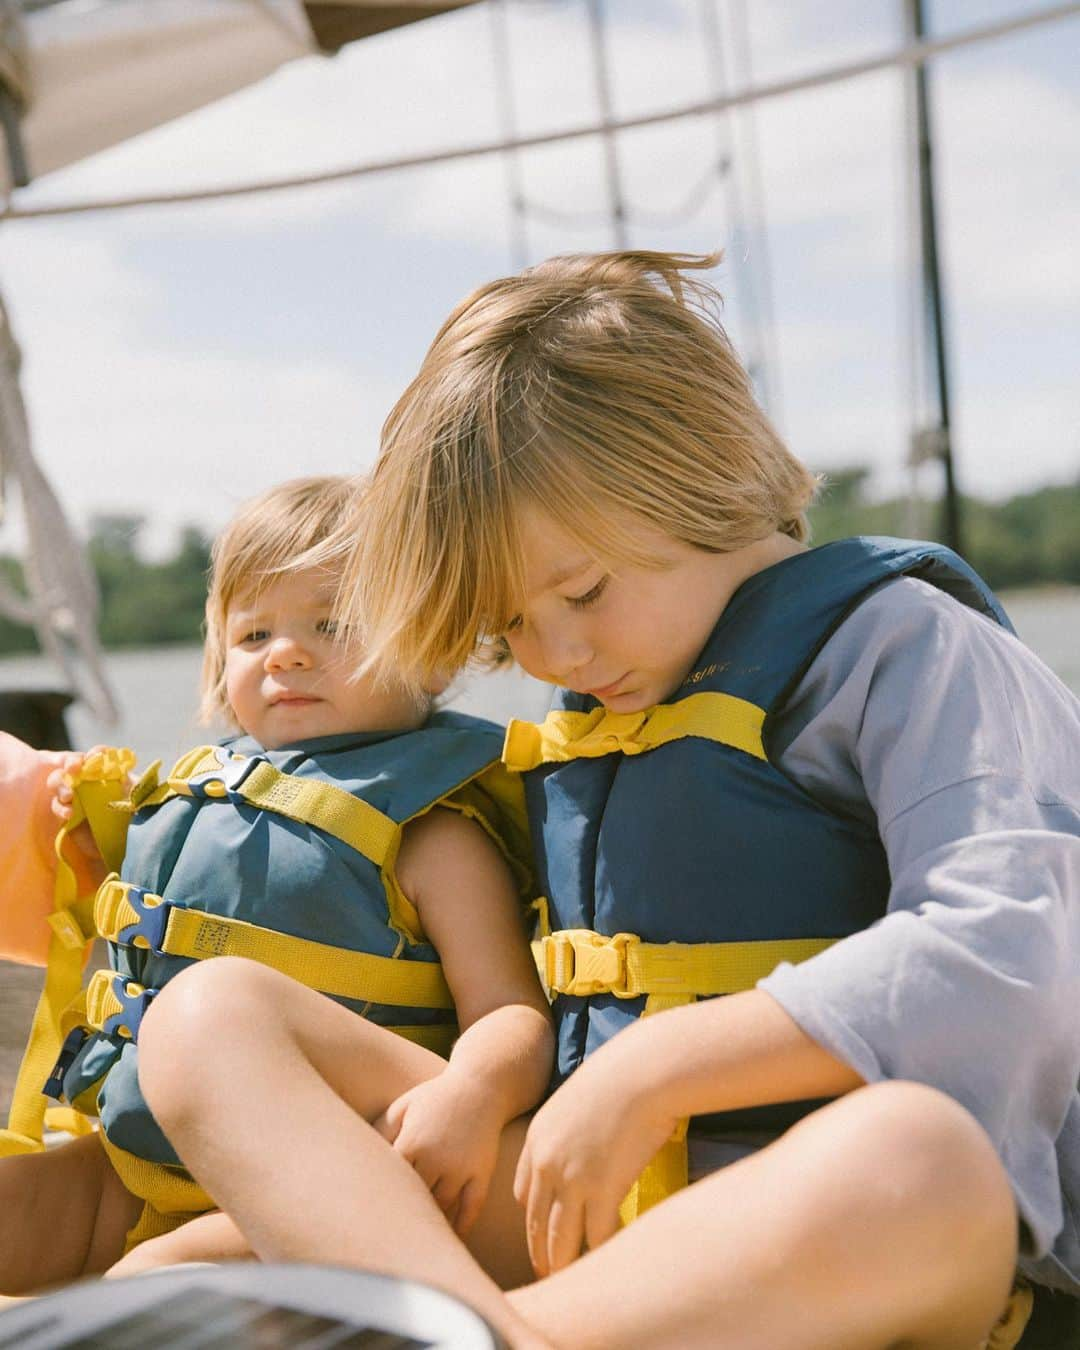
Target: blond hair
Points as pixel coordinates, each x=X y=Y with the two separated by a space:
x=601 y=389
x=287 y=527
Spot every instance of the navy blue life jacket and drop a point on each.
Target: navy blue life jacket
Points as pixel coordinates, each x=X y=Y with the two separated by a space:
x=698 y=841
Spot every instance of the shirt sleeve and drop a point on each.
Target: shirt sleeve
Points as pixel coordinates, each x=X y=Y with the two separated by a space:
x=965 y=749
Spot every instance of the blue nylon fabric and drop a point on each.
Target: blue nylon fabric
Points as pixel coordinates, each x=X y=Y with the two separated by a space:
x=235 y=860
x=699 y=842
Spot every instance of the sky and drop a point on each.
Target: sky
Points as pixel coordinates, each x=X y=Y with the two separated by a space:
x=179 y=359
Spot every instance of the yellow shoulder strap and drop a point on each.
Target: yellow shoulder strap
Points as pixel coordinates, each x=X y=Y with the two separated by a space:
x=101 y=781
x=573 y=735
x=214 y=771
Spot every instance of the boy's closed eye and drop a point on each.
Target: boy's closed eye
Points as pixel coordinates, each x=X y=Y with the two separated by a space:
x=591 y=596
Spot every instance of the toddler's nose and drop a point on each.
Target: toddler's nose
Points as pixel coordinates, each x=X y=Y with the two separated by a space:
x=285 y=653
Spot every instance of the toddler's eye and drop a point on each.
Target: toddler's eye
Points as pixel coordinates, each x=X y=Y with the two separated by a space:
x=590 y=597
x=256 y=635
x=513 y=625
x=329 y=627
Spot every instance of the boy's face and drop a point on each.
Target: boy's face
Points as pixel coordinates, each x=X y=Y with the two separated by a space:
x=288 y=678
x=626 y=634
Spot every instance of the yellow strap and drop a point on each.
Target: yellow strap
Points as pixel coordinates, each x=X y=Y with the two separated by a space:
x=168 y=1189
x=339 y=971
x=580 y=962
x=66 y=1120
x=1011 y=1325
x=102 y=780
x=151 y=1223
x=573 y=735
x=669 y=1170
x=328 y=808
x=308 y=801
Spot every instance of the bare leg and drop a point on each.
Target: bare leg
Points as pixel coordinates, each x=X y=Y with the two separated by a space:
x=210 y=1237
x=317 y=1182
x=882 y=1220
x=65 y=1214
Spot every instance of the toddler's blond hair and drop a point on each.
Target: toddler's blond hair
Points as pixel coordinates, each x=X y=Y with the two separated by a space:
x=601 y=389
x=288 y=526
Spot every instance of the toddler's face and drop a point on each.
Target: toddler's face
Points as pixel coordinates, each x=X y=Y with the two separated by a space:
x=627 y=635
x=288 y=678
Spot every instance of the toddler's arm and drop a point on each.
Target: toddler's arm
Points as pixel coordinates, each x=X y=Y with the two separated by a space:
x=449 y=1127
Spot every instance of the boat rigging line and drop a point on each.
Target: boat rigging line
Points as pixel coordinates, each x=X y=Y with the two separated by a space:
x=912 y=54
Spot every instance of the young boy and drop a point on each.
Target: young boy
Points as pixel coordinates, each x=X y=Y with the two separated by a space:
x=828 y=784
x=350 y=837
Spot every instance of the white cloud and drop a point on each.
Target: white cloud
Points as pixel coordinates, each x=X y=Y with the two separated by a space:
x=190 y=428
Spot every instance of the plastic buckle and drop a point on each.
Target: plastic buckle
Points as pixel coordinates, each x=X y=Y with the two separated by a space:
x=149 y=930
x=73 y=1043
x=581 y=963
x=134 y=1001
x=225 y=780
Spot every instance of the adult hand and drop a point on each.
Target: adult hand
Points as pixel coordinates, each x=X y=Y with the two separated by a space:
x=584 y=1150
x=448 y=1129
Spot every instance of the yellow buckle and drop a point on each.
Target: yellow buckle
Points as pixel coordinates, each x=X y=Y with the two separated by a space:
x=580 y=962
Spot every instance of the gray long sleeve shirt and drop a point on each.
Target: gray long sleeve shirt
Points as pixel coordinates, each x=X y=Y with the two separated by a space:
x=926 y=719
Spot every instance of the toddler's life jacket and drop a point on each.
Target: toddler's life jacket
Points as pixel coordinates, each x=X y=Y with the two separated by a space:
x=677 y=860
x=286 y=856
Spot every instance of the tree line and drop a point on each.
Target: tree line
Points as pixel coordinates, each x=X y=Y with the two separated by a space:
x=1030 y=540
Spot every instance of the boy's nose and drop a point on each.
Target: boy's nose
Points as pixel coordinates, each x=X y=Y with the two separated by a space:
x=564 y=650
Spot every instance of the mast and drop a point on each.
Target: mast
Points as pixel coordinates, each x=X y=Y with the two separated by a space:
x=933 y=302
x=616 y=201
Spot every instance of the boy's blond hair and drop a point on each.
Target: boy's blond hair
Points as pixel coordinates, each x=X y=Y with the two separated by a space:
x=598 y=388
x=286 y=527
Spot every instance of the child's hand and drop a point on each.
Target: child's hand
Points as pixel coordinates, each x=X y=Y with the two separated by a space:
x=447 y=1129
x=60 y=785
x=585 y=1148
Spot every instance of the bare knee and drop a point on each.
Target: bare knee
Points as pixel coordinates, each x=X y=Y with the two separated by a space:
x=923 y=1148
x=192 y=1014
x=922 y=1191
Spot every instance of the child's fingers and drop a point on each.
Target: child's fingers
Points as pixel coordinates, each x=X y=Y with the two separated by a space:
x=537 y=1207
x=601 y=1222
x=447 y=1195
x=523 y=1175
x=565 y=1230
x=473 y=1195
x=61 y=810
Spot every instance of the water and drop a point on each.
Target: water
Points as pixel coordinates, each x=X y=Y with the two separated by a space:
x=157 y=687
x=157 y=690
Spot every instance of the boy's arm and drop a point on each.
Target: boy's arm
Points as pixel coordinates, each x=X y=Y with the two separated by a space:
x=591 y=1140
x=449 y=1127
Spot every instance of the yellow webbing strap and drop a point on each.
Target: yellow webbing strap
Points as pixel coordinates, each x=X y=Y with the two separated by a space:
x=308 y=801
x=574 y=735
x=578 y=961
x=339 y=971
x=101 y=781
x=168 y=1189
x=669 y=1170
x=1011 y=1325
